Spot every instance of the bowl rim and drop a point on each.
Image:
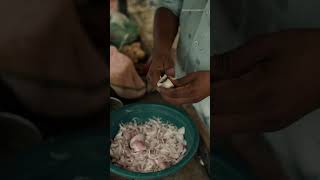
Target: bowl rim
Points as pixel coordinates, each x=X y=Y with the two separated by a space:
x=166 y=172
x=21 y=120
x=114 y=99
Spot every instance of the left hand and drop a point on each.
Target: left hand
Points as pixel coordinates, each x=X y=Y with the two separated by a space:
x=192 y=88
x=267 y=84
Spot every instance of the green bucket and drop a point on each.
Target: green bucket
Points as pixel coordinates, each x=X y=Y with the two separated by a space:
x=141 y=112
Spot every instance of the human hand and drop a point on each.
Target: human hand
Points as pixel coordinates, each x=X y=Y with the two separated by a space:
x=267 y=84
x=190 y=89
x=160 y=62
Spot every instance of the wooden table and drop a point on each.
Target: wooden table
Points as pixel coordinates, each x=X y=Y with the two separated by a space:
x=194 y=169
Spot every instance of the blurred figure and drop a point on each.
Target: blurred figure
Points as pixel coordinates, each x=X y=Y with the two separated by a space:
x=265 y=73
x=192 y=68
x=52 y=62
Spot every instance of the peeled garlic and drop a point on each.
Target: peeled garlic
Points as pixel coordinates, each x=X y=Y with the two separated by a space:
x=165 y=82
x=138 y=150
x=137 y=143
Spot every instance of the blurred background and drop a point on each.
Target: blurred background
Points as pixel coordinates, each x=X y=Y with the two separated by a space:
x=43 y=144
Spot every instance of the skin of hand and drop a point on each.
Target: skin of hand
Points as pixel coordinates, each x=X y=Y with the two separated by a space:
x=166 y=28
x=160 y=62
x=267 y=84
x=192 y=88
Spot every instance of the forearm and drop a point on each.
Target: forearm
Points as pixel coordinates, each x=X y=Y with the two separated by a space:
x=165 y=29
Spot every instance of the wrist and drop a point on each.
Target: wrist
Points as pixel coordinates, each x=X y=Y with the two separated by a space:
x=161 y=51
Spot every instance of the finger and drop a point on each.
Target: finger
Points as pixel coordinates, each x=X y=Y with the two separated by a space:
x=244 y=94
x=180 y=101
x=239 y=123
x=253 y=122
x=152 y=79
x=180 y=92
x=184 y=80
x=242 y=59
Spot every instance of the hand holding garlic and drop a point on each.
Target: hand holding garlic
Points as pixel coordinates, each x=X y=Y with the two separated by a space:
x=165 y=82
x=187 y=89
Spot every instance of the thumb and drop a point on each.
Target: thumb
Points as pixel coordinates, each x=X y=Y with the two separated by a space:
x=239 y=61
x=183 y=81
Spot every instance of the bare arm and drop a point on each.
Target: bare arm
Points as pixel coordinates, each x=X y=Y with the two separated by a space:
x=165 y=29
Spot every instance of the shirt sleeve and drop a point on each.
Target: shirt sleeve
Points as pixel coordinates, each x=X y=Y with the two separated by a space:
x=173 y=5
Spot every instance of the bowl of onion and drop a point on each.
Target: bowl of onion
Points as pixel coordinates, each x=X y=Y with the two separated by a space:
x=151 y=141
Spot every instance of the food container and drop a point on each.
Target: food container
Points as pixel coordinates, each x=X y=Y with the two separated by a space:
x=115 y=103
x=141 y=112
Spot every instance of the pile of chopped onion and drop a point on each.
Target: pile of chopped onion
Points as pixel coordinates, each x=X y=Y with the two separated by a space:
x=148 y=147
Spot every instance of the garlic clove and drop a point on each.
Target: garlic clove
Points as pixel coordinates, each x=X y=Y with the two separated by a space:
x=165 y=82
x=137 y=143
x=181 y=130
x=138 y=146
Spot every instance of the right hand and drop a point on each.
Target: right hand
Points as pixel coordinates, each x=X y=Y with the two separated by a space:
x=160 y=62
x=267 y=84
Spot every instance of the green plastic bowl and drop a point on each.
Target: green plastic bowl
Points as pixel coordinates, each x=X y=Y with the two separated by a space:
x=141 y=112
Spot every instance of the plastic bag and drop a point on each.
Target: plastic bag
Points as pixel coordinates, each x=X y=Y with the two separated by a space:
x=143 y=11
x=124 y=78
x=122 y=30
x=134 y=52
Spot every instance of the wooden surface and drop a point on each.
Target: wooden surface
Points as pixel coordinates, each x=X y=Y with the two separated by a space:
x=193 y=170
